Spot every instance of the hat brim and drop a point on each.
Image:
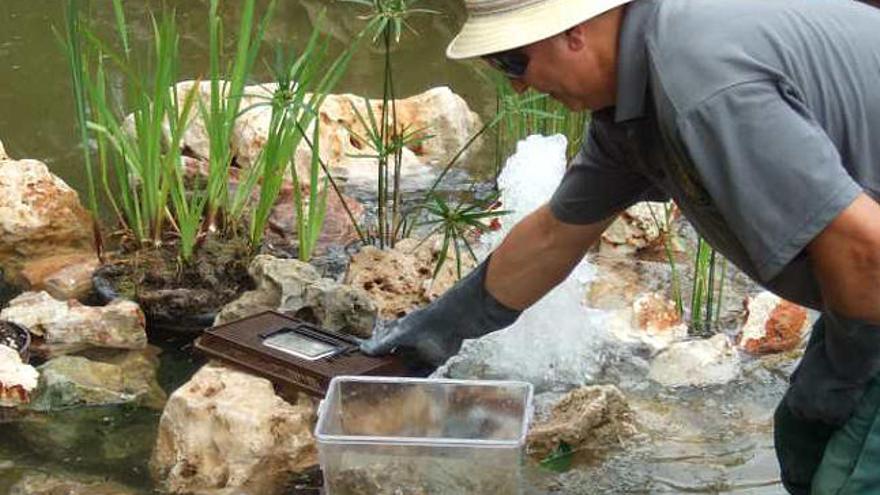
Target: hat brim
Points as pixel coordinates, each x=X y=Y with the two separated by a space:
x=483 y=34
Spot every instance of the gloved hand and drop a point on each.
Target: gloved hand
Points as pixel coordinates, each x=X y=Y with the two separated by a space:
x=835 y=370
x=435 y=332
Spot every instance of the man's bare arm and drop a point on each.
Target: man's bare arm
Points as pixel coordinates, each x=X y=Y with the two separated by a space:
x=846 y=260
x=536 y=255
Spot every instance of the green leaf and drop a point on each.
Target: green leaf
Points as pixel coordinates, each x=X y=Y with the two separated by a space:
x=559 y=460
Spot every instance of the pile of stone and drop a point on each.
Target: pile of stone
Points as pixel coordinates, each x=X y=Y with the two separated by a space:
x=92 y=355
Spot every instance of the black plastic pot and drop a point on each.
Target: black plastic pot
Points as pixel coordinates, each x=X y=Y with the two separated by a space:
x=22 y=339
x=177 y=324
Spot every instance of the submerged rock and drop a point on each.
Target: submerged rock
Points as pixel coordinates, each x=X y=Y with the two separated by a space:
x=773 y=325
x=73 y=381
x=591 y=418
x=295 y=287
x=54 y=484
x=40 y=216
x=619 y=281
x=227 y=432
x=712 y=361
x=118 y=437
x=67 y=276
x=400 y=279
x=17 y=379
x=67 y=327
x=653 y=312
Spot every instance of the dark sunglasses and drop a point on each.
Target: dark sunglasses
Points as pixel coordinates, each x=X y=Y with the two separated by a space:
x=511 y=63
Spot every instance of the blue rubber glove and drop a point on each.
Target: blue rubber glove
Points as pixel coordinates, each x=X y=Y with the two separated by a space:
x=835 y=370
x=435 y=333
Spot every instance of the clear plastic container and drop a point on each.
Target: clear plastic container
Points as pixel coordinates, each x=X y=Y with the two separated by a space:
x=408 y=436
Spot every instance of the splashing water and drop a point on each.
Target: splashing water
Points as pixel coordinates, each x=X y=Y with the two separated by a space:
x=555 y=344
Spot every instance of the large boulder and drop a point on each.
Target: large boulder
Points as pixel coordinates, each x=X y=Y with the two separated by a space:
x=696 y=363
x=295 y=287
x=55 y=484
x=73 y=381
x=17 y=379
x=591 y=418
x=400 y=279
x=40 y=216
x=773 y=325
x=66 y=327
x=438 y=111
x=66 y=276
x=226 y=432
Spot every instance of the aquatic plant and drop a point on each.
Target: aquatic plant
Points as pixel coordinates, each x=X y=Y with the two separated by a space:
x=72 y=45
x=226 y=92
x=152 y=196
x=137 y=150
x=458 y=224
x=387 y=20
x=707 y=288
x=302 y=84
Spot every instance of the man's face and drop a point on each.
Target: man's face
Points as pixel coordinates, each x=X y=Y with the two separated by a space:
x=573 y=68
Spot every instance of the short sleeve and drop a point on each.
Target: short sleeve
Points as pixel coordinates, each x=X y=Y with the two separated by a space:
x=598 y=183
x=769 y=167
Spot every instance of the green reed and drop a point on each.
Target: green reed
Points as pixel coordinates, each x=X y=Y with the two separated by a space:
x=301 y=85
x=226 y=92
x=707 y=287
x=707 y=294
x=387 y=20
x=133 y=148
x=71 y=42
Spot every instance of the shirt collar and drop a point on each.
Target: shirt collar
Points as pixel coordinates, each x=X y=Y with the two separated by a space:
x=632 y=61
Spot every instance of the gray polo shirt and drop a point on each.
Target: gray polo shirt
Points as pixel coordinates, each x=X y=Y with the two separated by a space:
x=760 y=118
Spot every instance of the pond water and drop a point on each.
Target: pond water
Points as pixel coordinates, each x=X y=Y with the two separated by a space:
x=709 y=440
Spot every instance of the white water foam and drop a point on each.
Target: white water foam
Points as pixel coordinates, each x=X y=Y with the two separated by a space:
x=556 y=343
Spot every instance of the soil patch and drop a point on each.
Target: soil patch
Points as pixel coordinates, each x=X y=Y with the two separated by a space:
x=169 y=291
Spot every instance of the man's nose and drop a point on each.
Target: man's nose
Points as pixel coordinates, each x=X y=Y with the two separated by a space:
x=519 y=85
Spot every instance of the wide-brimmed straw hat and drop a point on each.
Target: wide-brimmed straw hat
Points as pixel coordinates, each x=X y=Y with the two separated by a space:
x=500 y=25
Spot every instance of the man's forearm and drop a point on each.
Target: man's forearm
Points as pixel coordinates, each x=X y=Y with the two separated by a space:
x=846 y=260
x=537 y=254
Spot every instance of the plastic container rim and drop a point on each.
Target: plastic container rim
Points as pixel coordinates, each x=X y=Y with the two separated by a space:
x=423 y=441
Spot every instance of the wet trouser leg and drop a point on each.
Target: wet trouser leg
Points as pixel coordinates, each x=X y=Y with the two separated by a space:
x=800 y=443
x=832 y=401
x=851 y=463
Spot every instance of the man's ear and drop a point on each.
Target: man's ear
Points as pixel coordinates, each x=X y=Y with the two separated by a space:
x=575 y=38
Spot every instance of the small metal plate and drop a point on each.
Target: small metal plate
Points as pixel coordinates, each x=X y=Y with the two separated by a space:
x=292 y=352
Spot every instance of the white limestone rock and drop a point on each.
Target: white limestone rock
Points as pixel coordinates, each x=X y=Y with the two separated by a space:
x=40 y=215
x=773 y=325
x=292 y=286
x=67 y=327
x=75 y=381
x=226 y=432
x=17 y=379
